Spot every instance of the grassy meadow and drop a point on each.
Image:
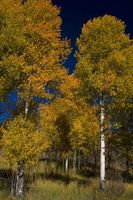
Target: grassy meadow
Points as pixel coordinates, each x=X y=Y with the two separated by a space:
x=72 y=187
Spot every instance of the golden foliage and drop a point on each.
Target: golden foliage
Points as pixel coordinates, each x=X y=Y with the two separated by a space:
x=21 y=142
x=31 y=42
x=104 y=57
x=69 y=124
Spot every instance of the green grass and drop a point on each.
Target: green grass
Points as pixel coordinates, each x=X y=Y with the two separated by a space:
x=50 y=190
x=3 y=195
x=78 y=188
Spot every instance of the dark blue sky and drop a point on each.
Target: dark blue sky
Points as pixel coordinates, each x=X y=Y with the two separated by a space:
x=75 y=13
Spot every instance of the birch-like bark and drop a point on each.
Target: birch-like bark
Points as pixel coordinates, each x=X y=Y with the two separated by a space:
x=66 y=165
x=102 y=148
x=19 y=191
x=26 y=108
x=20 y=182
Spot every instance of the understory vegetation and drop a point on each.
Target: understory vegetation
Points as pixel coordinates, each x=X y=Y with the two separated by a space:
x=83 y=185
x=79 y=188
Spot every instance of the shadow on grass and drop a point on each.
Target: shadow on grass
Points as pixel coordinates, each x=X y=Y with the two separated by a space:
x=67 y=178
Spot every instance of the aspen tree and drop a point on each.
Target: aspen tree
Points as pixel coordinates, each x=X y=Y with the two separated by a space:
x=105 y=65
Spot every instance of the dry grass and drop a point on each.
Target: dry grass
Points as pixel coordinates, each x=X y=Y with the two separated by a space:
x=50 y=190
x=76 y=188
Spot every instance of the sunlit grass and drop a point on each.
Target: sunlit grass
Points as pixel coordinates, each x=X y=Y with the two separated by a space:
x=3 y=195
x=76 y=188
x=50 y=190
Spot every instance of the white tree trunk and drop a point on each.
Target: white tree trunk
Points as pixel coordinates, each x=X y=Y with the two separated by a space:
x=26 y=108
x=66 y=165
x=19 y=190
x=102 y=148
x=20 y=182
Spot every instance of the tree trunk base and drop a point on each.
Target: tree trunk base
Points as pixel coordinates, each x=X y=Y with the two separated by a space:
x=102 y=185
x=20 y=182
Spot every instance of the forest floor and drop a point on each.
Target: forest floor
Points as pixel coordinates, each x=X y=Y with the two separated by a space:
x=76 y=188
